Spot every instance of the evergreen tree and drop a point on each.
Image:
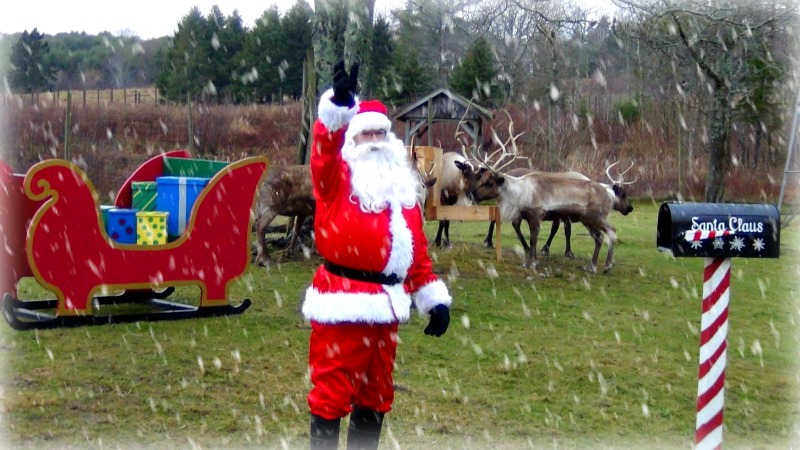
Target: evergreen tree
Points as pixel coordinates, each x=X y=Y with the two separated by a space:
x=297 y=26
x=32 y=71
x=408 y=79
x=476 y=76
x=261 y=58
x=184 y=65
x=381 y=57
x=226 y=40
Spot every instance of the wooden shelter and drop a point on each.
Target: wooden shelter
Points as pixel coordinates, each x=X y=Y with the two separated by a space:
x=443 y=105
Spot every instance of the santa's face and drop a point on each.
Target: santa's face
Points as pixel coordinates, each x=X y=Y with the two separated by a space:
x=381 y=172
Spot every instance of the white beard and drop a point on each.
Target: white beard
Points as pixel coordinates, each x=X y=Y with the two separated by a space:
x=381 y=174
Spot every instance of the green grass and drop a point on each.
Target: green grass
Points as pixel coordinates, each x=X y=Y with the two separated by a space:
x=554 y=359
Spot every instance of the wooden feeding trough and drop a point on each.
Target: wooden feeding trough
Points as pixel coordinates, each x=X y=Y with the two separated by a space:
x=429 y=159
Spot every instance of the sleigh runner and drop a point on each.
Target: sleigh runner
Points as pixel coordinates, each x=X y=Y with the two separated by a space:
x=53 y=229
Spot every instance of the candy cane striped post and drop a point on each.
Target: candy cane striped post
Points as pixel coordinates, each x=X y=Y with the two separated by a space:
x=713 y=346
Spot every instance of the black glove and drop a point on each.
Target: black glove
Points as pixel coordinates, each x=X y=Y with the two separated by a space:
x=440 y=320
x=344 y=85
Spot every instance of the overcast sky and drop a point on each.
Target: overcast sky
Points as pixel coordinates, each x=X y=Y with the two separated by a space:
x=144 y=18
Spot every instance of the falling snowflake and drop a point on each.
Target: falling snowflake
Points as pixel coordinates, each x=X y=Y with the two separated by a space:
x=697 y=244
x=737 y=244
x=758 y=244
x=718 y=243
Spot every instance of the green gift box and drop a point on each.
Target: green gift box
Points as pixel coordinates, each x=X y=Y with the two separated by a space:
x=144 y=195
x=190 y=167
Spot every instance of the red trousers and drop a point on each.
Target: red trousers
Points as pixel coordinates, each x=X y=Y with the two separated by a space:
x=351 y=364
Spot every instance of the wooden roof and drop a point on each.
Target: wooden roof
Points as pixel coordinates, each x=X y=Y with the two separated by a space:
x=446 y=105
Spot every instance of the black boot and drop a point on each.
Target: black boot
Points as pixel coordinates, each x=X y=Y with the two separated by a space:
x=324 y=433
x=364 y=431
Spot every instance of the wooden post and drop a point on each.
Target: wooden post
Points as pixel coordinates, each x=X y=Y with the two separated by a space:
x=67 y=126
x=308 y=108
x=189 y=117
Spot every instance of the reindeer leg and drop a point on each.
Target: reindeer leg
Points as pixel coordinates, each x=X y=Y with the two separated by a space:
x=568 y=236
x=611 y=232
x=597 y=235
x=447 y=243
x=553 y=231
x=516 y=223
x=262 y=255
x=488 y=240
x=294 y=238
x=439 y=231
x=534 y=223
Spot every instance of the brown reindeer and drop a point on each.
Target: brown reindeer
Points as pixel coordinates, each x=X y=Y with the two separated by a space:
x=549 y=216
x=534 y=195
x=287 y=191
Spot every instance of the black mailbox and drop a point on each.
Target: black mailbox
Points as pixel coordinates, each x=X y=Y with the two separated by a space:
x=719 y=230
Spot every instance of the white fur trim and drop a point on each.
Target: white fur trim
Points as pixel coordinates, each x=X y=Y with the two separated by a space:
x=430 y=295
x=369 y=120
x=393 y=305
x=333 y=116
x=400 y=254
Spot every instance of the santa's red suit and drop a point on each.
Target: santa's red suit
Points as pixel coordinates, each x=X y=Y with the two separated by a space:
x=354 y=323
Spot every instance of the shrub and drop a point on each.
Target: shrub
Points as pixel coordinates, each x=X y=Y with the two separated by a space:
x=628 y=110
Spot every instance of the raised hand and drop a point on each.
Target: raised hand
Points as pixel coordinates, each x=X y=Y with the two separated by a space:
x=344 y=84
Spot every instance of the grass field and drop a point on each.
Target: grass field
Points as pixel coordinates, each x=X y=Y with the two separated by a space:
x=553 y=359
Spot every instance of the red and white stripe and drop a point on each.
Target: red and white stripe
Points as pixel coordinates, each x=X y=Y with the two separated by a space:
x=713 y=345
x=700 y=235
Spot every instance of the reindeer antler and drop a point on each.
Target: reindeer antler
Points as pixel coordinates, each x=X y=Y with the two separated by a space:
x=506 y=156
x=620 y=179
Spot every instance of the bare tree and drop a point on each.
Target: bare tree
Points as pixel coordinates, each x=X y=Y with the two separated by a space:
x=713 y=46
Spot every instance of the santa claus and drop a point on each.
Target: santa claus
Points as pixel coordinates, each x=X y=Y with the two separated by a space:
x=368 y=229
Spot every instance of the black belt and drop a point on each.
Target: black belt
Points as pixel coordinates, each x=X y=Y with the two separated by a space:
x=362 y=275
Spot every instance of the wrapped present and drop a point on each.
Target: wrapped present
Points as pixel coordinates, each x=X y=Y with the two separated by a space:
x=190 y=167
x=143 y=195
x=104 y=214
x=121 y=225
x=177 y=195
x=151 y=227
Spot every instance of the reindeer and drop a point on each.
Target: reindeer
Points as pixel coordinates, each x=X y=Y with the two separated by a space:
x=549 y=216
x=457 y=172
x=287 y=191
x=461 y=173
x=533 y=195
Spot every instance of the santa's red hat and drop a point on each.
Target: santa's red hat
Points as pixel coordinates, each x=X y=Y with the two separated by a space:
x=371 y=116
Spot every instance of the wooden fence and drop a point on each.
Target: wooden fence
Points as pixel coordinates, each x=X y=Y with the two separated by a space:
x=88 y=97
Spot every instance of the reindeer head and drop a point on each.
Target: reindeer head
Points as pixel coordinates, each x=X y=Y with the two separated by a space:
x=486 y=182
x=621 y=201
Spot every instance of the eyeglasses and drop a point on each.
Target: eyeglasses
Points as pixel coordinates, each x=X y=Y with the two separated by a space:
x=373 y=133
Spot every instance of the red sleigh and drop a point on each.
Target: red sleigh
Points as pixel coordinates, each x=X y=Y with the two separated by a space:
x=50 y=225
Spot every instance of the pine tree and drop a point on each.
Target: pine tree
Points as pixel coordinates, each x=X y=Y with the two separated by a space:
x=32 y=71
x=476 y=76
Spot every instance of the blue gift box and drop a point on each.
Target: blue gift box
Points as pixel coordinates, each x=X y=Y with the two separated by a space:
x=176 y=195
x=121 y=225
